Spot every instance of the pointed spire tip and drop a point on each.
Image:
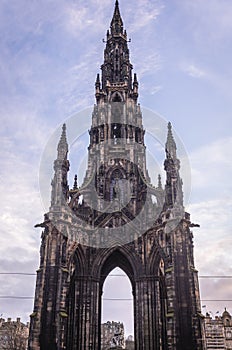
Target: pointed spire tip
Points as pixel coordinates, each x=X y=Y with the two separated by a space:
x=170 y=143
x=62 y=147
x=116 y=23
x=159 y=181
x=170 y=135
x=63 y=138
x=75 y=183
x=63 y=135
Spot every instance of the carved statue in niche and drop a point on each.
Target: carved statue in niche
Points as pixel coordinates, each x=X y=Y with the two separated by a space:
x=124 y=71
x=132 y=183
x=116 y=190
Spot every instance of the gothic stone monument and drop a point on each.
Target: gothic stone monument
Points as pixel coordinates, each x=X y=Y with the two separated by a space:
x=111 y=220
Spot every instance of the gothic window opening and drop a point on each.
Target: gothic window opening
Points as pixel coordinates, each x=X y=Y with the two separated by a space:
x=116 y=132
x=100 y=181
x=117 y=98
x=116 y=69
x=116 y=108
x=64 y=247
x=138 y=135
x=130 y=131
x=154 y=199
x=95 y=135
x=161 y=267
x=80 y=199
x=102 y=133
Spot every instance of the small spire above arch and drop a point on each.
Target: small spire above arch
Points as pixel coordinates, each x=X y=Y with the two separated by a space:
x=62 y=148
x=170 y=144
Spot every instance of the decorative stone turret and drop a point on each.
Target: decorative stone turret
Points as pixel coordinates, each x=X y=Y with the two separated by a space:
x=61 y=167
x=173 y=187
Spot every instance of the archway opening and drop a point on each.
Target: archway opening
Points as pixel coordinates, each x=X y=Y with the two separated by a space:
x=117 y=316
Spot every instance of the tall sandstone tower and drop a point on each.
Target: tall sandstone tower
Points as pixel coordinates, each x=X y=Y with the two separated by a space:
x=116 y=218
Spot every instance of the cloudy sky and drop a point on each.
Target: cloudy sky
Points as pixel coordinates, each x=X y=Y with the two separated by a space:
x=50 y=53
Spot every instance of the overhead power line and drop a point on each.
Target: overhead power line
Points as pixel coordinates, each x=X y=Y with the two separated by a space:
x=18 y=273
x=14 y=297
x=131 y=299
x=104 y=299
x=214 y=276
x=112 y=275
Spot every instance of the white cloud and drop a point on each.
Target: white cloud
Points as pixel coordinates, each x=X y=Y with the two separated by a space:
x=147 y=65
x=20 y=207
x=22 y=141
x=143 y=15
x=156 y=89
x=78 y=87
x=83 y=17
x=19 y=241
x=80 y=19
x=211 y=204
x=212 y=19
x=194 y=71
x=48 y=65
x=212 y=250
x=211 y=208
x=213 y=76
x=212 y=168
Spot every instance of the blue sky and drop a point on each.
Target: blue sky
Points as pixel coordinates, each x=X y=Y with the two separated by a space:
x=51 y=52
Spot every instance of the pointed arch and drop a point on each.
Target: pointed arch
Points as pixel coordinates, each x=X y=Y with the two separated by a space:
x=77 y=271
x=117 y=172
x=108 y=260
x=157 y=254
x=116 y=97
x=117 y=256
x=77 y=261
x=157 y=263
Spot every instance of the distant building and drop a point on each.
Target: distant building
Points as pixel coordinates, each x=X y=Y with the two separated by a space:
x=13 y=334
x=112 y=335
x=227 y=322
x=218 y=331
x=130 y=344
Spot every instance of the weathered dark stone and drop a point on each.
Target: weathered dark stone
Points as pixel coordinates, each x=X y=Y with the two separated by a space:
x=152 y=243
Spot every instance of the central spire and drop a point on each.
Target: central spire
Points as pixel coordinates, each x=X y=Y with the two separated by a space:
x=117 y=68
x=116 y=23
